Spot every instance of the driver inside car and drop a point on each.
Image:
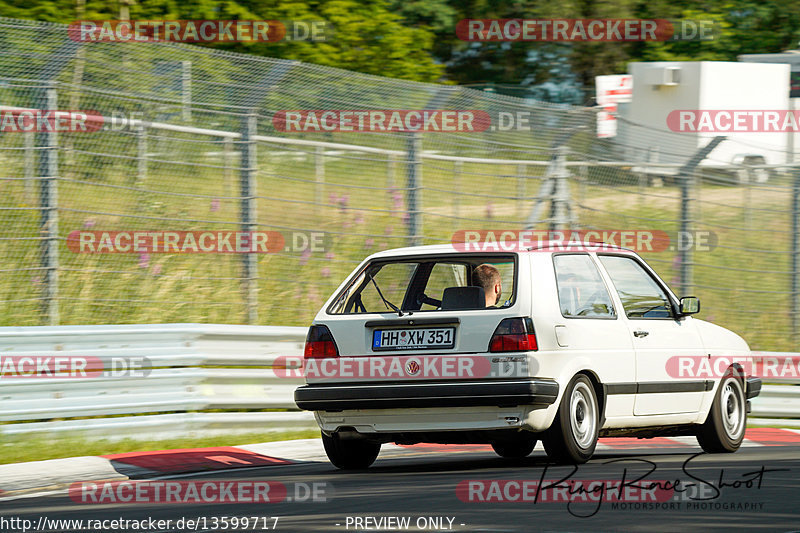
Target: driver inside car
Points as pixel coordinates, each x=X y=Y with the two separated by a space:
x=488 y=277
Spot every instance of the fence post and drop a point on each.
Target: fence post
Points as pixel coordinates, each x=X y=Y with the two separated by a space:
x=141 y=156
x=686 y=180
x=747 y=196
x=48 y=202
x=795 y=235
x=582 y=186
x=390 y=169
x=229 y=165
x=186 y=90
x=319 y=173
x=522 y=171
x=457 y=167
x=561 y=210
x=414 y=177
x=29 y=165
x=247 y=186
x=684 y=251
x=555 y=189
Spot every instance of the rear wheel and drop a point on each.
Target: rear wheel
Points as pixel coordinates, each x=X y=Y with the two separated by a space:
x=350 y=454
x=573 y=436
x=723 y=430
x=514 y=449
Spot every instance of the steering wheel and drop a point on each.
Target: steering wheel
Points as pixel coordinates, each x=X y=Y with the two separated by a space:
x=425 y=299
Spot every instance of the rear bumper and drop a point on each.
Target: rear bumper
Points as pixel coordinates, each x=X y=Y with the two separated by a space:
x=753 y=387
x=500 y=393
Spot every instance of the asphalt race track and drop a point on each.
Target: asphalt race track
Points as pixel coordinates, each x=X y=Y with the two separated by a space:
x=421 y=485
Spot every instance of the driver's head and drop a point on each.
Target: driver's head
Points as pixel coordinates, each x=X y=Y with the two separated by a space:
x=488 y=277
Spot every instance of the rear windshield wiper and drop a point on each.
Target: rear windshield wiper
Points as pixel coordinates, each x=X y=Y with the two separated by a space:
x=387 y=303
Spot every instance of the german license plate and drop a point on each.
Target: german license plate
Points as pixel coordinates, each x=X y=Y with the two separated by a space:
x=413 y=339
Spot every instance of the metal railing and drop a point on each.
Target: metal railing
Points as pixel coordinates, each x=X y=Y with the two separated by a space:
x=195 y=376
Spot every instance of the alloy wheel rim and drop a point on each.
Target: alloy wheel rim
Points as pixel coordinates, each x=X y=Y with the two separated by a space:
x=582 y=415
x=732 y=410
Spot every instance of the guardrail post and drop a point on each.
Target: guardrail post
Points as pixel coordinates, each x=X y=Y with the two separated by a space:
x=247 y=185
x=795 y=235
x=414 y=178
x=48 y=202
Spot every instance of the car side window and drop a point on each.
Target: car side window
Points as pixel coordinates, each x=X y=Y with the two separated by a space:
x=442 y=276
x=392 y=280
x=641 y=296
x=581 y=291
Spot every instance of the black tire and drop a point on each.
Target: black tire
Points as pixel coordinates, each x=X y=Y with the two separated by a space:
x=514 y=449
x=573 y=436
x=723 y=430
x=350 y=454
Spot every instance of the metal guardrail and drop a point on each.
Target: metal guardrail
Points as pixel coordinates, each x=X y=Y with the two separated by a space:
x=191 y=377
x=779 y=401
x=197 y=371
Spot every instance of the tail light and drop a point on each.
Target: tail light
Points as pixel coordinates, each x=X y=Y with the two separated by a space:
x=514 y=335
x=320 y=344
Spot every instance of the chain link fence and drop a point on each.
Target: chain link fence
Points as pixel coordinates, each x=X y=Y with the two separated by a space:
x=203 y=154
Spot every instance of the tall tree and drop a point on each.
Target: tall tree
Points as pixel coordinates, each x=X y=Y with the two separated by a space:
x=368 y=36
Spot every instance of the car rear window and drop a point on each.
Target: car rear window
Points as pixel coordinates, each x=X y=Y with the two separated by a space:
x=429 y=284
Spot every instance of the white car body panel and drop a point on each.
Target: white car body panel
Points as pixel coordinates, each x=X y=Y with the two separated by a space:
x=605 y=349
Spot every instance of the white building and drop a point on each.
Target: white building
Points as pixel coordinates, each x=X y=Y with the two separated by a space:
x=663 y=89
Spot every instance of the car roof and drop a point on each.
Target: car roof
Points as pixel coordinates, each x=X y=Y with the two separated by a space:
x=545 y=246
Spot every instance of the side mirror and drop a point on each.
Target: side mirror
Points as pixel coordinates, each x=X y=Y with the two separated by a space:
x=689 y=305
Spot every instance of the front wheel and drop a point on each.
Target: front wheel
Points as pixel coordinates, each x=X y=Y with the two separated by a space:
x=350 y=454
x=573 y=436
x=723 y=430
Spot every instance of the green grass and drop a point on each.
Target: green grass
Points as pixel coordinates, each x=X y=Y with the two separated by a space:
x=15 y=449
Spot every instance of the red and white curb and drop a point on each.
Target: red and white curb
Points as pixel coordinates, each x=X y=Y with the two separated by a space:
x=754 y=437
x=56 y=473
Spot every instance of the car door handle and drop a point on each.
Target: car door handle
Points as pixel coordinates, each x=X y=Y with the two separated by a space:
x=641 y=333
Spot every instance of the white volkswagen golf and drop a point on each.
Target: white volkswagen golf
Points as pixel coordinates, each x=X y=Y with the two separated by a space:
x=558 y=344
